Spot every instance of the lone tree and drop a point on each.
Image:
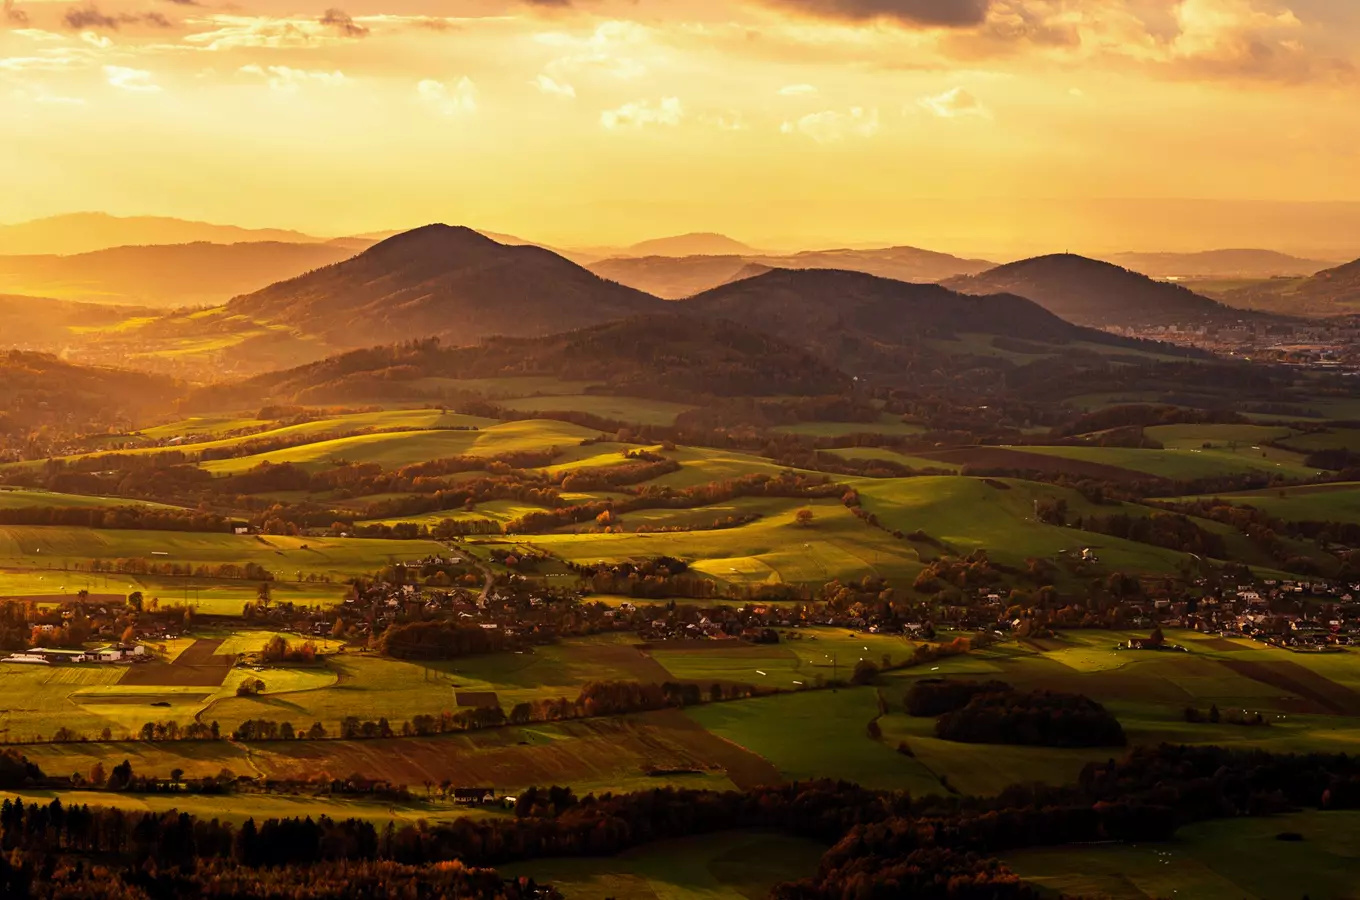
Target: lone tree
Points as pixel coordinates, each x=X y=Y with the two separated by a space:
x=803 y=517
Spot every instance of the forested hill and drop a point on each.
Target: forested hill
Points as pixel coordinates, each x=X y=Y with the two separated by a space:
x=39 y=389
x=447 y=282
x=653 y=355
x=1100 y=295
x=850 y=316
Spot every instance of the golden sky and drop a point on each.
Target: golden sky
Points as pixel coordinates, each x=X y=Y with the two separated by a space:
x=959 y=124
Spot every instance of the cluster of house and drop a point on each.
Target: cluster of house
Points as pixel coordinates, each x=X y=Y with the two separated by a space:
x=114 y=653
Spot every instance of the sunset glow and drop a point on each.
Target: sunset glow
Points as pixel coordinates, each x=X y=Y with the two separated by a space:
x=952 y=123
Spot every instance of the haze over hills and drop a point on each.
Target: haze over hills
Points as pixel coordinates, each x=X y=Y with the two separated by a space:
x=166 y=274
x=1331 y=292
x=1098 y=294
x=35 y=322
x=40 y=389
x=1218 y=263
x=86 y=232
x=674 y=278
x=700 y=243
x=446 y=282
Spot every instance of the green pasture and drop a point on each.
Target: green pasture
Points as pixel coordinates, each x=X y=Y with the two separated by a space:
x=1335 y=502
x=1189 y=463
x=622 y=409
x=915 y=462
x=62 y=548
x=210 y=426
x=726 y=866
x=1230 y=437
x=773 y=549
x=236 y=808
x=396 y=449
x=818 y=734
x=886 y=424
x=1331 y=439
x=1231 y=859
x=20 y=498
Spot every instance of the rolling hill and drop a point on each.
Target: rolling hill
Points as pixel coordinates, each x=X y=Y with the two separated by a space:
x=447 y=282
x=40 y=389
x=86 y=232
x=854 y=319
x=1331 y=292
x=694 y=244
x=1099 y=294
x=1218 y=264
x=166 y=274
x=31 y=323
x=646 y=355
x=677 y=277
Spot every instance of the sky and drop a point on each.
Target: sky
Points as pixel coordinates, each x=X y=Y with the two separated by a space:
x=956 y=124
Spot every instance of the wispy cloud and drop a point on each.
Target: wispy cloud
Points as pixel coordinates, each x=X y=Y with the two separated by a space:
x=458 y=99
x=953 y=104
x=554 y=88
x=668 y=111
x=138 y=80
x=284 y=78
x=832 y=125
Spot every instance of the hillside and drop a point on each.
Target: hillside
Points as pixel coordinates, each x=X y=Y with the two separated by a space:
x=1331 y=292
x=168 y=274
x=863 y=322
x=39 y=389
x=1098 y=294
x=446 y=282
x=694 y=244
x=649 y=355
x=86 y=232
x=677 y=277
x=41 y=322
x=1218 y=264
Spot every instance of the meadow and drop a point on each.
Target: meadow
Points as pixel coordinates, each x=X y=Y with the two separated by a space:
x=1222 y=860
x=727 y=866
x=1334 y=502
x=1188 y=462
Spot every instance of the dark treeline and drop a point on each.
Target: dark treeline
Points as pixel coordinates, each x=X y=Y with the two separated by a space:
x=441 y=640
x=1038 y=718
x=127 y=517
x=886 y=845
x=930 y=697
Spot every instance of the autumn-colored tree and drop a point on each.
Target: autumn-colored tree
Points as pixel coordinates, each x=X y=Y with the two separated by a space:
x=803 y=517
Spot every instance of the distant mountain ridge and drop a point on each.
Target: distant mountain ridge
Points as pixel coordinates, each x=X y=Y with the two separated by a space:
x=448 y=282
x=86 y=232
x=1099 y=294
x=678 y=277
x=699 y=243
x=166 y=275
x=1248 y=263
x=1331 y=292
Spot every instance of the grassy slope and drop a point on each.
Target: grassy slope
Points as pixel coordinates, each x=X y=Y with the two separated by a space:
x=1188 y=463
x=17 y=498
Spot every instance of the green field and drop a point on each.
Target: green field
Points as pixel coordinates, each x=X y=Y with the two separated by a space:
x=622 y=409
x=1189 y=463
x=19 y=498
x=886 y=424
x=1235 y=859
x=726 y=866
x=915 y=462
x=1336 y=502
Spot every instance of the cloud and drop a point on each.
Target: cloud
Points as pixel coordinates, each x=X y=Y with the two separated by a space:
x=554 y=88
x=612 y=48
x=138 y=80
x=953 y=104
x=96 y=40
x=832 y=125
x=669 y=111
x=458 y=100
x=343 y=23
x=233 y=32
x=285 y=78
x=81 y=18
x=13 y=14
x=928 y=13
x=797 y=90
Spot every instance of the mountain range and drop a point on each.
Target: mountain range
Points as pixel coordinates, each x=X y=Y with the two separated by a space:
x=167 y=275
x=1331 y=292
x=1218 y=264
x=678 y=277
x=1099 y=294
x=86 y=232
